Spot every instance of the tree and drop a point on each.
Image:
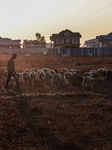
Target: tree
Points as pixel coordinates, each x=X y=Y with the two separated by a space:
x=38 y=36
x=42 y=40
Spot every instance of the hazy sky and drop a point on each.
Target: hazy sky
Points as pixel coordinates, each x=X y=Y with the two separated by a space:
x=21 y=19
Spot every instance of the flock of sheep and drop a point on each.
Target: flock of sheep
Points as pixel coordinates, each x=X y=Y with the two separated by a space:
x=55 y=78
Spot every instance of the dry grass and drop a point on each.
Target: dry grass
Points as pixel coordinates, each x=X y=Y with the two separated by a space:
x=63 y=118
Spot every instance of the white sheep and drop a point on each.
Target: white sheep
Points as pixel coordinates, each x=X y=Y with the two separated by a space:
x=27 y=70
x=52 y=72
x=88 y=74
x=95 y=73
x=4 y=76
x=102 y=72
x=45 y=69
x=33 y=76
x=41 y=74
x=57 y=79
x=69 y=77
x=48 y=75
x=64 y=70
x=88 y=80
x=20 y=76
x=12 y=82
x=26 y=77
x=29 y=76
x=74 y=70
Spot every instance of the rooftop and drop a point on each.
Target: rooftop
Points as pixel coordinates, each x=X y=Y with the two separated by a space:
x=7 y=41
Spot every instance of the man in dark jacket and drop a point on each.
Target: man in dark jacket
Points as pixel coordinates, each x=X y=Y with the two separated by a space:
x=11 y=70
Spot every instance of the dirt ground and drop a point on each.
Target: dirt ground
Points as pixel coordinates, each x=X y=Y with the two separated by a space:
x=57 y=118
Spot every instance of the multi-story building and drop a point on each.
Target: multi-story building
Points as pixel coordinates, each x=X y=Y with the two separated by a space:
x=100 y=41
x=66 y=37
x=92 y=43
x=105 y=40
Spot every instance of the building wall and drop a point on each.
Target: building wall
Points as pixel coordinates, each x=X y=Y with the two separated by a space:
x=92 y=43
x=99 y=42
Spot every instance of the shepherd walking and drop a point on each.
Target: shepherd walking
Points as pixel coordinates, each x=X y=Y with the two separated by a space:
x=11 y=71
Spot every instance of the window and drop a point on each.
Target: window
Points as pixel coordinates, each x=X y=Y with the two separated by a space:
x=74 y=41
x=60 y=41
x=67 y=40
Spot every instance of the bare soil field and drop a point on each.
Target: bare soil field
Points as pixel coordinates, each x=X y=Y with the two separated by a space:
x=57 y=118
